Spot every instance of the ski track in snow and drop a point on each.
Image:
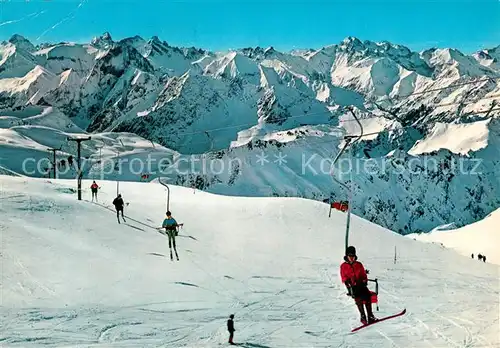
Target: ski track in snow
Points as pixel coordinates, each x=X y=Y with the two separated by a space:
x=28 y=278
x=393 y=344
x=468 y=336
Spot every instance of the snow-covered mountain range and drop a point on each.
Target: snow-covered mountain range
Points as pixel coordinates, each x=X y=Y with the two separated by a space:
x=273 y=120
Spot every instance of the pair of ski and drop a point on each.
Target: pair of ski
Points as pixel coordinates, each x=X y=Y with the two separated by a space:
x=172 y=257
x=159 y=229
x=380 y=320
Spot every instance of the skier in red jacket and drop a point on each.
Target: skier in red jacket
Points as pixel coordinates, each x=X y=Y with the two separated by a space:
x=94 y=188
x=354 y=277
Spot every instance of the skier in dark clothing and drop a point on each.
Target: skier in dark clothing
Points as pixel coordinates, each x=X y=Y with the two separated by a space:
x=354 y=277
x=479 y=257
x=484 y=258
x=118 y=203
x=230 y=328
x=472 y=256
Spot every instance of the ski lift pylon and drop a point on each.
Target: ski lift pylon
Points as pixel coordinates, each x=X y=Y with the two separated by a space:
x=349 y=140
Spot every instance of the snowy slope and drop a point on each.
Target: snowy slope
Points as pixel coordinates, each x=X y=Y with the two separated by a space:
x=482 y=237
x=406 y=193
x=489 y=57
x=26 y=136
x=167 y=59
x=73 y=276
x=15 y=61
x=458 y=138
x=64 y=57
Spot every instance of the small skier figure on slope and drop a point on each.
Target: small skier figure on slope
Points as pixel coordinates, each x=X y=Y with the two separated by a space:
x=230 y=328
x=118 y=203
x=94 y=188
x=354 y=277
x=170 y=225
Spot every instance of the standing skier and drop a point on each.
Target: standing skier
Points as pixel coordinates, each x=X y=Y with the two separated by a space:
x=354 y=277
x=118 y=203
x=170 y=225
x=94 y=188
x=230 y=328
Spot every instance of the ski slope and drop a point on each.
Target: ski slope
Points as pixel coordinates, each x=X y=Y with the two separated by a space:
x=482 y=237
x=458 y=138
x=72 y=276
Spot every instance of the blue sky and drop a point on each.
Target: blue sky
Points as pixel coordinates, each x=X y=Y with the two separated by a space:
x=468 y=25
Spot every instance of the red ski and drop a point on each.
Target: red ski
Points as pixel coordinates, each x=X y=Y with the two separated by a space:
x=379 y=320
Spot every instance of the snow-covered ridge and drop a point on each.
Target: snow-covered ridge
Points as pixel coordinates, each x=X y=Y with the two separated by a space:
x=459 y=138
x=479 y=238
